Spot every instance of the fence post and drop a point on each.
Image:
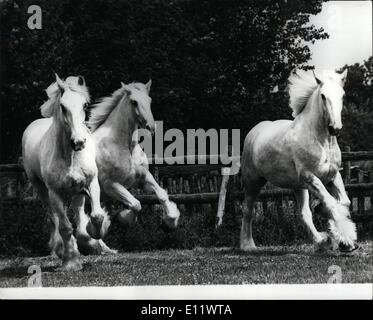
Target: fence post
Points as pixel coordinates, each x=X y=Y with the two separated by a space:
x=347 y=168
x=361 y=196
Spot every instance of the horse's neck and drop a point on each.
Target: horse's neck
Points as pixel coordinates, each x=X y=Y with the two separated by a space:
x=311 y=120
x=122 y=123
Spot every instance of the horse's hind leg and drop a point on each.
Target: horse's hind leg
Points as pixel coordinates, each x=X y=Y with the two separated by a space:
x=172 y=215
x=319 y=238
x=86 y=244
x=252 y=191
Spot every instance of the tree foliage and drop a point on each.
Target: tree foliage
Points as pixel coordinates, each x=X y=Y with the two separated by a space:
x=213 y=63
x=358 y=111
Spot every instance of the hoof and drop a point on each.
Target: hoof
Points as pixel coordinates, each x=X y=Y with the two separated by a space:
x=218 y=222
x=345 y=248
x=87 y=245
x=94 y=227
x=127 y=217
x=71 y=265
x=170 y=223
x=57 y=250
x=171 y=219
x=106 y=250
x=248 y=246
x=325 y=244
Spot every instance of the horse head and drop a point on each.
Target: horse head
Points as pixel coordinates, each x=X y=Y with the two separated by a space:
x=138 y=95
x=331 y=96
x=73 y=100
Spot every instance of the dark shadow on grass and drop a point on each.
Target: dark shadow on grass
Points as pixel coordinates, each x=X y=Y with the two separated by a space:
x=261 y=252
x=20 y=272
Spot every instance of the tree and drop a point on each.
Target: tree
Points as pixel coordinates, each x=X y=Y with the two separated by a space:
x=358 y=111
x=214 y=63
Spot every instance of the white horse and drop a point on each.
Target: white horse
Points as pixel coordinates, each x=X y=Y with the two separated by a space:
x=303 y=155
x=121 y=162
x=59 y=160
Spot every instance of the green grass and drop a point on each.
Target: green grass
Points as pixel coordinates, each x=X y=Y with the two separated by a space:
x=285 y=264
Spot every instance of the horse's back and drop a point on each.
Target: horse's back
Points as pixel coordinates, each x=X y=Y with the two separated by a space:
x=265 y=152
x=264 y=133
x=31 y=143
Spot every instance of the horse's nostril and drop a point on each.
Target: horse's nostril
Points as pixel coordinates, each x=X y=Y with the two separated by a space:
x=78 y=145
x=333 y=131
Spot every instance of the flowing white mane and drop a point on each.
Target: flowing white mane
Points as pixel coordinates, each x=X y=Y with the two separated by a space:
x=54 y=94
x=101 y=110
x=301 y=87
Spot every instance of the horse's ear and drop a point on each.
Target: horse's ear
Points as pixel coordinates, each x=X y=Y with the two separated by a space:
x=126 y=88
x=60 y=83
x=344 y=77
x=81 y=81
x=148 y=85
x=319 y=82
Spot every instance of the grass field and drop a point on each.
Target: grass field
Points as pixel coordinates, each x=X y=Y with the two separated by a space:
x=287 y=264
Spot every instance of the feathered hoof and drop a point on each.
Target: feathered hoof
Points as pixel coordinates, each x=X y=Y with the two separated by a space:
x=57 y=250
x=169 y=224
x=127 y=217
x=325 y=245
x=88 y=246
x=71 y=265
x=94 y=227
x=171 y=220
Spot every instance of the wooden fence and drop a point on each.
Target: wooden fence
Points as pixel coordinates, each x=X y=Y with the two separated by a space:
x=200 y=184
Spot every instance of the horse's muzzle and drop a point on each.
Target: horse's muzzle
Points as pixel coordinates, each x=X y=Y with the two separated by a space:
x=334 y=132
x=78 y=145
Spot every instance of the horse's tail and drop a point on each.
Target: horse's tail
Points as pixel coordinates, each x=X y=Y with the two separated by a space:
x=226 y=173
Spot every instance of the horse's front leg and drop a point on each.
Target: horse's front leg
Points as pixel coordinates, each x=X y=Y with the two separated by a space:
x=115 y=190
x=341 y=227
x=172 y=213
x=99 y=221
x=320 y=239
x=70 y=257
x=86 y=244
x=338 y=191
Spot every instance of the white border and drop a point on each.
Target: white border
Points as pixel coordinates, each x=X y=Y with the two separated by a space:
x=210 y=292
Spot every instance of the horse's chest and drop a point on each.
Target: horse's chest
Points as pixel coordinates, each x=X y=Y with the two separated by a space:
x=78 y=178
x=74 y=179
x=329 y=165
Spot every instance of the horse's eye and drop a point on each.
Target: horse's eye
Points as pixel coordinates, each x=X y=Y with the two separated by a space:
x=134 y=103
x=323 y=97
x=85 y=107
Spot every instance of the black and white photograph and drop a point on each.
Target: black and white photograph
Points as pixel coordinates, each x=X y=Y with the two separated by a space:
x=186 y=149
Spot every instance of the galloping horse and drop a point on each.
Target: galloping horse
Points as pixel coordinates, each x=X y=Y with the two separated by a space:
x=59 y=160
x=303 y=155
x=121 y=162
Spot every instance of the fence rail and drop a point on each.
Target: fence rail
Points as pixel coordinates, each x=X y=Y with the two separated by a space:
x=200 y=183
